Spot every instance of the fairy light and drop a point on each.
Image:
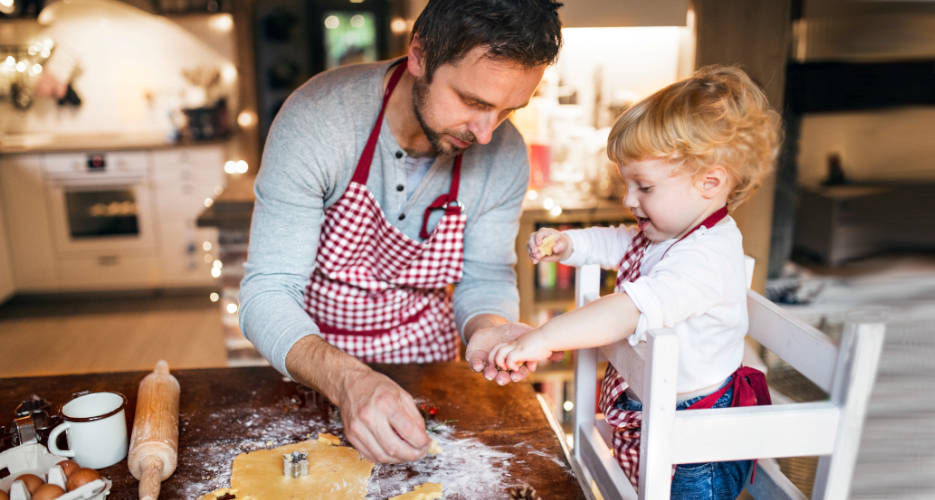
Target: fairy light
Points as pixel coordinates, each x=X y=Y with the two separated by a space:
x=398 y=26
x=215 y=297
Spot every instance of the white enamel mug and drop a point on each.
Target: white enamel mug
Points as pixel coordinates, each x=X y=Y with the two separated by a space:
x=96 y=428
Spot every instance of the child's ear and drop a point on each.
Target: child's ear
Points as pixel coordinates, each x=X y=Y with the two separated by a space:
x=713 y=182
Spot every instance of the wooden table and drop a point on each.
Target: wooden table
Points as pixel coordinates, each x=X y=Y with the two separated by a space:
x=226 y=411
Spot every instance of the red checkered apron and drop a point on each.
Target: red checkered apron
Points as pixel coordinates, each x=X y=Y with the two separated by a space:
x=749 y=384
x=376 y=293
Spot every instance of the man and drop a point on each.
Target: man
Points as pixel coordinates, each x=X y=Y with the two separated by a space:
x=382 y=184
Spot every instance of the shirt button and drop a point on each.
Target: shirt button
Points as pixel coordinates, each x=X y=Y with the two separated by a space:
x=402 y=216
x=399 y=154
x=400 y=187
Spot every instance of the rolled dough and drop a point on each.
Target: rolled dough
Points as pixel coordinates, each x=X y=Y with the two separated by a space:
x=334 y=472
x=427 y=491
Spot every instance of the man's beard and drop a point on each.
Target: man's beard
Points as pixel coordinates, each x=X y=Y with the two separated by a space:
x=420 y=94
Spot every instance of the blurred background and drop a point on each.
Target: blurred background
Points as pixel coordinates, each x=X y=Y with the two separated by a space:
x=131 y=132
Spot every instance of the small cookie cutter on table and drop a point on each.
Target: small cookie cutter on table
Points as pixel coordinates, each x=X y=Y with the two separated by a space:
x=36 y=459
x=295 y=465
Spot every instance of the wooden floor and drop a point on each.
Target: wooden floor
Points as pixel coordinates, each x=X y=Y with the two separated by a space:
x=46 y=337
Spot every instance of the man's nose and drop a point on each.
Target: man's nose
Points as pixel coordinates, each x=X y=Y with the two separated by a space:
x=482 y=126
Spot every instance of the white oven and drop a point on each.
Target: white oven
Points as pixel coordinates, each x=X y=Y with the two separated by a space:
x=100 y=204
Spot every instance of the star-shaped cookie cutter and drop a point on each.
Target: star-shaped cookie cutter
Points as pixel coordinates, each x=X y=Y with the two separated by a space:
x=295 y=465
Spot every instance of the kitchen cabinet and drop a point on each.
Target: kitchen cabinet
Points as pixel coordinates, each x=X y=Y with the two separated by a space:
x=185 y=178
x=27 y=218
x=110 y=220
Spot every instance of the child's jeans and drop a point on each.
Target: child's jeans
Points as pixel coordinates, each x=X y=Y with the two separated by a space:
x=706 y=481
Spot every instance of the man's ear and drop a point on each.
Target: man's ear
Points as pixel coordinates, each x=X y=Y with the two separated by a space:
x=416 y=62
x=713 y=182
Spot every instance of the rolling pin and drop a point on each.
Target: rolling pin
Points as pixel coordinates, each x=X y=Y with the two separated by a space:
x=155 y=440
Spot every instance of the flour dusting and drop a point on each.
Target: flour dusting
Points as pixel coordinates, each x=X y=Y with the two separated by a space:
x=468 y=468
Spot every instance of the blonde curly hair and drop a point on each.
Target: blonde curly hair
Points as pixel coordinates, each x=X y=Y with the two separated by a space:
x=718 y=117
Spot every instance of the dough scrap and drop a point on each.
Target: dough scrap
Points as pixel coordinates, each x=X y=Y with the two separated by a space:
x=334 y=472
x=329 y=439
x=545 y=248
x=431 y=490
x=427 y=491
x=434 y=449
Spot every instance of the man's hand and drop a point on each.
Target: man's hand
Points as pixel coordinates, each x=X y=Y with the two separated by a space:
x=484 y=332
x=380 y=418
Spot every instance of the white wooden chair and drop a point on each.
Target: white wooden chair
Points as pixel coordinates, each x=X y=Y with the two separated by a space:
x=830 y=429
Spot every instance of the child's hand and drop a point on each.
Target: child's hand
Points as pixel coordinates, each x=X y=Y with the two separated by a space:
x=555 y=245
x=529 y=349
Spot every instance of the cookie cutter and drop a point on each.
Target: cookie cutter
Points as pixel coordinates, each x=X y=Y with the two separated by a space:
x=295 y=465
x=32 y=424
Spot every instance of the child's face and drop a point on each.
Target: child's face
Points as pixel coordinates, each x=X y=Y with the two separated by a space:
x=666 y=203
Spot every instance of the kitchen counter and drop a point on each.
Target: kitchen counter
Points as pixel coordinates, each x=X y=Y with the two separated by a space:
x=233 y=209
x=229 y=410
x=47 y=142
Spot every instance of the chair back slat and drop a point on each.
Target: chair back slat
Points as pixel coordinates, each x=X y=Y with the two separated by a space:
x=861 y=347
x=596 y=458
x=659 y=390
x=808 y=350
x=630 y=363
x=755 y=432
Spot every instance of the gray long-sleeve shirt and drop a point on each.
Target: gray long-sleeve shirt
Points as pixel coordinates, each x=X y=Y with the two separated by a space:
x=309 y=159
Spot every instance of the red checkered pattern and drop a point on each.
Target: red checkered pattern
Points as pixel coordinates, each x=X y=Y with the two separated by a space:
x=379 y=295
x=626 y=423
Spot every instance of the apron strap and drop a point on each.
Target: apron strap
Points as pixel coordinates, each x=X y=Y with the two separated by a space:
x=362 y=173
x=447 y=201
x=708 y=223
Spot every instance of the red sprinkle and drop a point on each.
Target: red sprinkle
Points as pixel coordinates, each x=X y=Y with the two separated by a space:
x=433 y=411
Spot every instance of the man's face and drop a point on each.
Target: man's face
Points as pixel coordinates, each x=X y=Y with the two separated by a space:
x=469 y=99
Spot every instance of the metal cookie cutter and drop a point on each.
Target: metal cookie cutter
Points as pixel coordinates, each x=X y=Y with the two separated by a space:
x=295 y=465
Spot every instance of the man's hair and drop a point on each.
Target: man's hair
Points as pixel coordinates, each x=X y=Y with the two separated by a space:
x=718 y=117
x=527 y=32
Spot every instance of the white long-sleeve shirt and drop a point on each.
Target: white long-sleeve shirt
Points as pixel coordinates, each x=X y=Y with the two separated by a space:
x=698 y=290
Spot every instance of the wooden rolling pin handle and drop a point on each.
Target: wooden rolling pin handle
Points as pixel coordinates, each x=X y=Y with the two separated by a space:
x=151 y=483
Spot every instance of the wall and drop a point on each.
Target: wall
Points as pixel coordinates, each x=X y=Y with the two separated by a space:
x=894 y=144
x=7 y=286
x=130 y=69
x=755 y=35
x=638 y=61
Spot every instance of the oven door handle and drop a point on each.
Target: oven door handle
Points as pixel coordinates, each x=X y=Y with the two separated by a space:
x=91 y=180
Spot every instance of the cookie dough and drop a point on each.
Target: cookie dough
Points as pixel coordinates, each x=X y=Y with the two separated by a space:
x=545 y=249
x=434 y=449
x=427 y=491
x=334 y=472
x=329 y=439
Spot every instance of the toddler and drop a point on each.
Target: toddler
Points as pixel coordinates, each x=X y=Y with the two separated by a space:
x=689 y=154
